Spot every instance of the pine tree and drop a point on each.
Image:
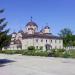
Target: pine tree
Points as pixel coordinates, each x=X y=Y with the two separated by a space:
x=4 y=37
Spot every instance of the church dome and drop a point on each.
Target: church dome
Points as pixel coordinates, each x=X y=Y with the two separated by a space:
x=47 y=27
x=31 y=24
x=20 y=31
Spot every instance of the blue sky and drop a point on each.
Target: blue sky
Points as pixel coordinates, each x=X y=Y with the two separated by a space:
x=57 y=13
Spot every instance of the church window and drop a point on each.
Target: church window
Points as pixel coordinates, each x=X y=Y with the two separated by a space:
x=50 y=41
x=36 y=40
x=46 y=41
x=28 y=29
x=41 y=40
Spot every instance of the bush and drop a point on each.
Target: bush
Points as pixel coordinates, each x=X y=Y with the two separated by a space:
x=66 y=54
x=60 y=50
x=56 y=53
x=1 y=51
x=9 y=51
x=41 y=47
x=72 y=53
x=12 y=51
x=42 y=53
x=31 y=48
x=35 y=53
x=52 y=53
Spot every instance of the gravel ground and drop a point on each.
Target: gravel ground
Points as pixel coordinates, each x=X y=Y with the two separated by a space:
x=35 y=65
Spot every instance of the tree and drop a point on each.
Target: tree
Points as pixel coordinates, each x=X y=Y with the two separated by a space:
x=73 y=40
x=67 y=36
x=4 y=37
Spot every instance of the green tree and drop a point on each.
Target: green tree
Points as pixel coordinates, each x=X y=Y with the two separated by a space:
x=67 y=36
x=73 y=40
x=4 y=37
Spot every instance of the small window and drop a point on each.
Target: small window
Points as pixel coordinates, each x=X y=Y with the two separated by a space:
x=50 y=41
x=36 y=40
x=41 y=40
x=46 y=40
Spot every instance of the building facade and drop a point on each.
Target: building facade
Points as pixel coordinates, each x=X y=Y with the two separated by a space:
x=30 y=36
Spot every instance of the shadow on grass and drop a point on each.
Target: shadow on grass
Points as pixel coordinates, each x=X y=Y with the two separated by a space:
x=5 y=61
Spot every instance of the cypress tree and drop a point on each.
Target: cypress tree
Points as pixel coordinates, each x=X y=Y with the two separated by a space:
x=4 y=37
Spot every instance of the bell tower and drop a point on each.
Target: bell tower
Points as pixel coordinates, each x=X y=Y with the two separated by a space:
x=31 y=27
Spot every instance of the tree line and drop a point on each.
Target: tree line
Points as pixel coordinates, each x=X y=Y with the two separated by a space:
x=66 y=34
x=68 y=37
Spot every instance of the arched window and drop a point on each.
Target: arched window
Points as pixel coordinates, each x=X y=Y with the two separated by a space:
x=46 y=41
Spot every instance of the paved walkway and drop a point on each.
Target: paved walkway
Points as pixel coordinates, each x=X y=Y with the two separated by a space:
x=35 y=65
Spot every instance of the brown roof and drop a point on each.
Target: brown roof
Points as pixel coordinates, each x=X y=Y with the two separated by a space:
x=38 y=35
x=31 y=23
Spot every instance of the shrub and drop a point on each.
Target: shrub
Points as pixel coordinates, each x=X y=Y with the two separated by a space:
x=9 y=51
x=34 y=53
x=66 y=54
x=60 y=50
x=19 y=51
x=31 y=48
x=41 y=47
x=56 y=53
x=41 y=53
x=72 y=53
x=12 y=51
x=51 y=53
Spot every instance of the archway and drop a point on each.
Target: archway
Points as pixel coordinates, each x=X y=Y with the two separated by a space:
x=19 y=44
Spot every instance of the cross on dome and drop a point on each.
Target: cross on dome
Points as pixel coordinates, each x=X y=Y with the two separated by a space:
x=31 y=18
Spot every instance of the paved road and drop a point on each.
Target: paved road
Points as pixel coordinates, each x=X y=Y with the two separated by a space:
x=33 y=65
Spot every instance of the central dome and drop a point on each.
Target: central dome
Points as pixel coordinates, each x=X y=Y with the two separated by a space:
x=31 y=23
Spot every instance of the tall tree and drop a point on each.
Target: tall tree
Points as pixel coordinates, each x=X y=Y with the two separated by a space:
x=67 y=36
x=4 y=37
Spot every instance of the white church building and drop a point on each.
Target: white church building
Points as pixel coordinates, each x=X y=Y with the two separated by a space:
x=30 y=36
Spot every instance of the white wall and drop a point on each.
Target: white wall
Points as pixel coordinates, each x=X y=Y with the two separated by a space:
x=32 y=42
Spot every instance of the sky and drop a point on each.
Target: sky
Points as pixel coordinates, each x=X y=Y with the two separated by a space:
x=58 y=14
